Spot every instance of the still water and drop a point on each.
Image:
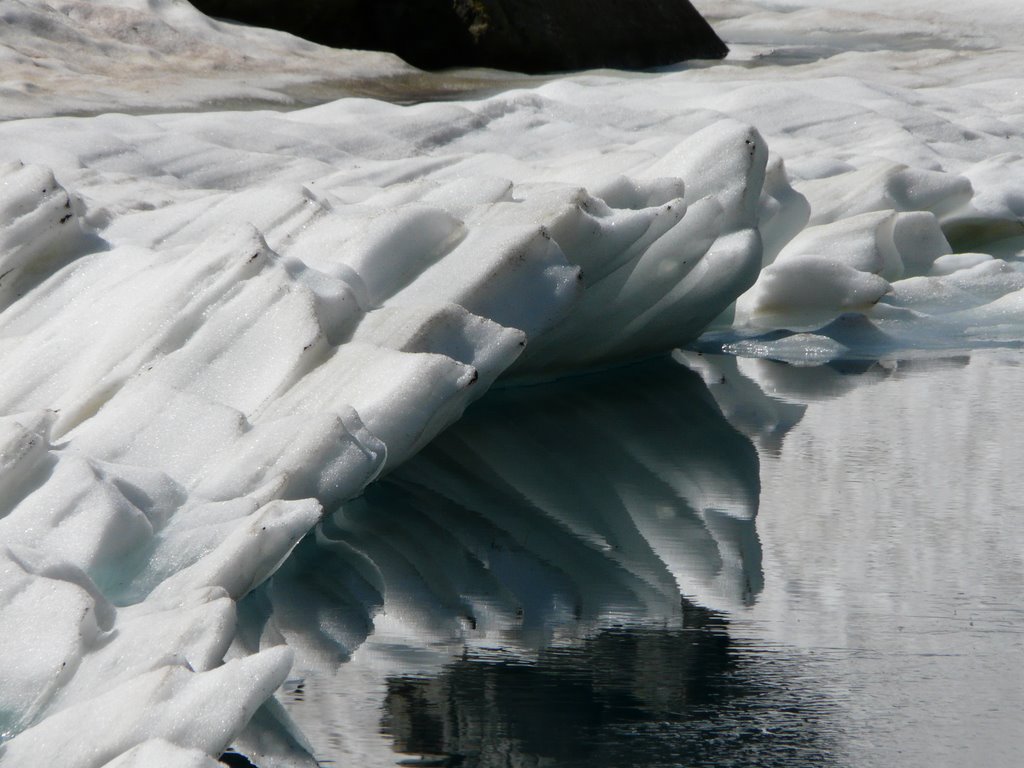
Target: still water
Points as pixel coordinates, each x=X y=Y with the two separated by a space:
x=698 y=561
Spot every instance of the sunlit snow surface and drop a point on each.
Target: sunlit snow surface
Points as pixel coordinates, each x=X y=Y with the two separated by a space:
x=217 y=325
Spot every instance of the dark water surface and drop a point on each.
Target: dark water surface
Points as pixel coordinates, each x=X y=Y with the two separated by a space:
x=758 y=565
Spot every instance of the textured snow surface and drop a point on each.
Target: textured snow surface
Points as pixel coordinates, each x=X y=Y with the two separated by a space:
x=900 y=124
x=215 y=327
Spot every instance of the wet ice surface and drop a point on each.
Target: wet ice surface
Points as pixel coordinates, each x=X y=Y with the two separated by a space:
x=868 y=616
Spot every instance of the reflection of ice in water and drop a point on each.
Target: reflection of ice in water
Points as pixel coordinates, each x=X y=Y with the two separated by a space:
x=884 y=632
x=893 y=546
x=569 y=505
x=544 y=520
x=894 y=552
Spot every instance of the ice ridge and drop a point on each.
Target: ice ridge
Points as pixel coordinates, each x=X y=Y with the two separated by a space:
x=215 y=342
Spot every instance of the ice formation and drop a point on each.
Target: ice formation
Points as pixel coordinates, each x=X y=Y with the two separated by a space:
x=217 y=325
x=221 y=327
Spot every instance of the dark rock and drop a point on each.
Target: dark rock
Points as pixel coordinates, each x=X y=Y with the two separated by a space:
x=518 y=35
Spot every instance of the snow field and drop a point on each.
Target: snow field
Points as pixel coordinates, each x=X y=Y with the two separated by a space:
x=217 y=327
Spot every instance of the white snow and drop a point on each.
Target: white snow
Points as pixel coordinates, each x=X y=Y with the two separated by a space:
x=214 y=325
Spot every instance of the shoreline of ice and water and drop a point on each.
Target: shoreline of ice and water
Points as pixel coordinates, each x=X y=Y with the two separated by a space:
x=221 y=325
x=775 y=565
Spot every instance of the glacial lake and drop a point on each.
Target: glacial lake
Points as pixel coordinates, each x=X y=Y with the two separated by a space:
x=761 y=565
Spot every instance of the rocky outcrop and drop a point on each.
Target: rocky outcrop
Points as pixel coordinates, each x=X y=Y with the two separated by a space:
x=518 y=35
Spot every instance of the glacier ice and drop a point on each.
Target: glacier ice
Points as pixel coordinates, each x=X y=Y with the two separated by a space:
x=219 y=327
x=237 y=337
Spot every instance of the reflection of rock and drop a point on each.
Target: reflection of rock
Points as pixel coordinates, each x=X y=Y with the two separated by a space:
x=639 y=696
x=520 y=35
